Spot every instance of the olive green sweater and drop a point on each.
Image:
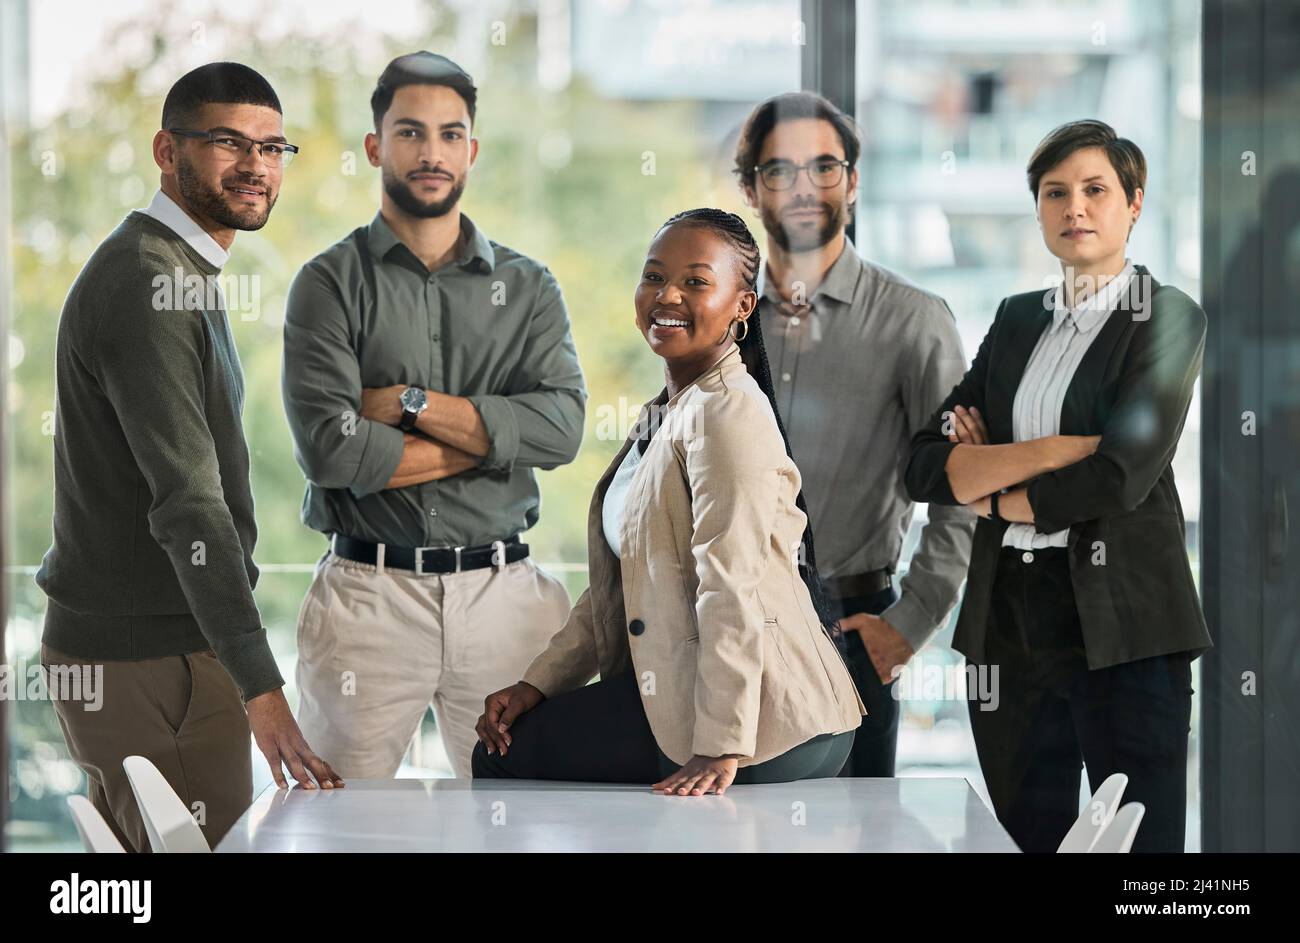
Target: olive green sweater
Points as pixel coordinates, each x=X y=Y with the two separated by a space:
x=153 y=512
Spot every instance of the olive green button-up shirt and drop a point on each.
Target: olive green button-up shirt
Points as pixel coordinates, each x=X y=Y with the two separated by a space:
x=490 y=326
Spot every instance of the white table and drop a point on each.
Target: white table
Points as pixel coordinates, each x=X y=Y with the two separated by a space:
x=908 y=814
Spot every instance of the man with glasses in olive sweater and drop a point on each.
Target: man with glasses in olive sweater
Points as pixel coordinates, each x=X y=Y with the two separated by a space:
x=150 y=574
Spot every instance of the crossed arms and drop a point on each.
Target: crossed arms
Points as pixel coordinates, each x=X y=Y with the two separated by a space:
x=1058 y=481
x=346 y=435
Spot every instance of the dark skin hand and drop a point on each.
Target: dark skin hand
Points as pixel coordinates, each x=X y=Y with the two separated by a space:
x=702 y=774
x=500 y=709
x=278 y=737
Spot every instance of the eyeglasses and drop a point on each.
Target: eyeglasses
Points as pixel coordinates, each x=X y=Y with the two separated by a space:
x=824 y=172
x=274 y=153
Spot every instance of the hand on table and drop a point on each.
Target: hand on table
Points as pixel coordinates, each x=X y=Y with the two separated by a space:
x=278 y=737
x=700 y=775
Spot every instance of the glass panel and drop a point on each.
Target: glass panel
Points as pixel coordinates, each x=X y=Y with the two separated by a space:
x=953 y=96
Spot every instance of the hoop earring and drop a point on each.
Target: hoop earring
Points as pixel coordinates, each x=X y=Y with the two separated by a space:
x=732 y=332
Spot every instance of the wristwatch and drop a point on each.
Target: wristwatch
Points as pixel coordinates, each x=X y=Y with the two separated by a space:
x=993 y=507
x=414 y=402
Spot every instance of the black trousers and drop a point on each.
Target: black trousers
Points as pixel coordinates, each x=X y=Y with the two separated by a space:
x=875 y=742
x=1053 y=714
x=599 y=733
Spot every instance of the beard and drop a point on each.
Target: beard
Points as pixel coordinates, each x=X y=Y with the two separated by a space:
x=835 y=216
x=401 y=194
x=212 y=202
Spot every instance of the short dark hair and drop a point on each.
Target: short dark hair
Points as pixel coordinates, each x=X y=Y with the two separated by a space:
x=421 y=68
x=217 y=83
x=788 y=107
x=1125 y=156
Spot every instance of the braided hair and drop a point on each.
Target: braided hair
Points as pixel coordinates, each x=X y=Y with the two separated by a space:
x=733 y=229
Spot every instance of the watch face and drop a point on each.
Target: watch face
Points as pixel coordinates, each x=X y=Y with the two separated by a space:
x=413 y=398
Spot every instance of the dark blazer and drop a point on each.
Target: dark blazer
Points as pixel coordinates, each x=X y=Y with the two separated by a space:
x=1128 y=563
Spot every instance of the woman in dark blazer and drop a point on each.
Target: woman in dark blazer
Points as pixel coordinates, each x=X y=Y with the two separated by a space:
x=1080 y=603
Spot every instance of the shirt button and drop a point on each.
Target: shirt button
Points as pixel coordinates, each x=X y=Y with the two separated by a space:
x=433 y=512
x=636 y=627
x=1027 y=556
x=794 y=321
x=785 y=378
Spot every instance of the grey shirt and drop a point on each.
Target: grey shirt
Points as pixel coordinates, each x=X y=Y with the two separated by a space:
x=855 y=378
x=490 y=326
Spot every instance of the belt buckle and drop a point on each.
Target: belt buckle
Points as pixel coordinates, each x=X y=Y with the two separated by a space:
x=419 y=558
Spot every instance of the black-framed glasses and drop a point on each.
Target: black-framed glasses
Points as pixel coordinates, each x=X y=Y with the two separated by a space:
x=824 y=172
x=274 y=153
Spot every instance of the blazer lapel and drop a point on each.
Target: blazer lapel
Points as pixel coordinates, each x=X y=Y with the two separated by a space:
x=603 y=568
x=1079 y=408
x=1027 y=326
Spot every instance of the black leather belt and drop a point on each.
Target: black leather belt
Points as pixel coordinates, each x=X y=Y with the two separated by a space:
x=858 y=584
x=431 y=559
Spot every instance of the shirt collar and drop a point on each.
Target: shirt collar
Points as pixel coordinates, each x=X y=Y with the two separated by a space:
x=1093 y=309
x=730 y=357
x=477 y=246
x=839 y=283
x=164 y=209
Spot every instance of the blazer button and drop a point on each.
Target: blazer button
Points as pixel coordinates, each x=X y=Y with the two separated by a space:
x=636 y=627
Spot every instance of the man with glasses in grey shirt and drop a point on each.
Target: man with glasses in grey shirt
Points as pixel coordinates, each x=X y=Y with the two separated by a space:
x=427 y=372
x=860 y=359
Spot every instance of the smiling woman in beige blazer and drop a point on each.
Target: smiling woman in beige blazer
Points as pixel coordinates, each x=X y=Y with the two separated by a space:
x=712 y=643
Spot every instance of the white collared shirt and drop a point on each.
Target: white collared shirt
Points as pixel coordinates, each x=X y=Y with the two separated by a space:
x=164 y=209
x=616 y=496
x=1036 y=411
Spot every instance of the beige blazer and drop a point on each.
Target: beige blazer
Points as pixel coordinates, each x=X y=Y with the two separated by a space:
x=706 y=602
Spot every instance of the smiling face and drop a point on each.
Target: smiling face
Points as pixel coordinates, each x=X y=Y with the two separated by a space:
x=691 y=289
x=1084 y=213
x=804 y=217
x=424 y=149
x=232 y=190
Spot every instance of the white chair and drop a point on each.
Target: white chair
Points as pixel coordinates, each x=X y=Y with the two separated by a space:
x=1096 y=815
x=95 y=834
x=1119 y=834
x=171 y=828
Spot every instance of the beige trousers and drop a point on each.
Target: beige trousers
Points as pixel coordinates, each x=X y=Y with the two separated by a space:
x=182 y=712
x=375 y=649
